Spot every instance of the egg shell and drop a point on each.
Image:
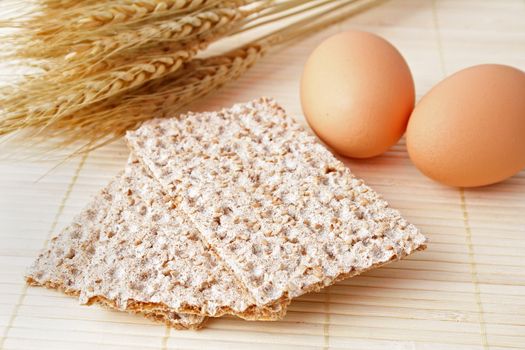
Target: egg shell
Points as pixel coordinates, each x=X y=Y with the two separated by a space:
x=357 y=93
x=469 y=130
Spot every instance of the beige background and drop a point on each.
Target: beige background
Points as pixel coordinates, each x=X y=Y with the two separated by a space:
x=467 y=291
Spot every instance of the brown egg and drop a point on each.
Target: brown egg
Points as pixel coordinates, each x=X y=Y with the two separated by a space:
x=357 y=93
x=469 y=130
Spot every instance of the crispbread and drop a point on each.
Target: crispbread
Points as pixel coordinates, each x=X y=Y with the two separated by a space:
x=62 y=265
x=150 y=256
x=276 y=206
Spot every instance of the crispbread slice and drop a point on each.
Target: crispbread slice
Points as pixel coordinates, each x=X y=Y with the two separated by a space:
x=150 y=256
x=276 y=206
x=62 y=265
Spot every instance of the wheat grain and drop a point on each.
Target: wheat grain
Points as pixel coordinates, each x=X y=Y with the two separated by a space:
x=135 y=10
x=63 y=4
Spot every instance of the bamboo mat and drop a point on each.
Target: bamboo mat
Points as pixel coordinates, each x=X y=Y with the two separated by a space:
x=467 y=291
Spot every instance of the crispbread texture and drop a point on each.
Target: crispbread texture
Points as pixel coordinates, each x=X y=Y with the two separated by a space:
x=66 y=256
x=283 y=213
x=63 y=264
x=150 y=256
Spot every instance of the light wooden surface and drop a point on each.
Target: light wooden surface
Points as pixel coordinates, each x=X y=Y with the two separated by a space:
x=467 y=291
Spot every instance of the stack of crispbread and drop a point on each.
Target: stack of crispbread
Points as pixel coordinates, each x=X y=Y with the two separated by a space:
x=231 y=212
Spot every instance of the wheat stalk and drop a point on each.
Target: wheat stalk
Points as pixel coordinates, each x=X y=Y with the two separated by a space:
x=101 y=79
x=145 y=89
x=60 y=93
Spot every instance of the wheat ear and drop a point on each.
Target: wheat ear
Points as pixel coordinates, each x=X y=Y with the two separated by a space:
x=179 y=30
x=163 y=98
x=60 y=92
x=57 y=26
x=41 y=100
x=101 y=122
x=97 y=15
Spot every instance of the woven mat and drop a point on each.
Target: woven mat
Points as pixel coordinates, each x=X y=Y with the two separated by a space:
x=467 y=291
